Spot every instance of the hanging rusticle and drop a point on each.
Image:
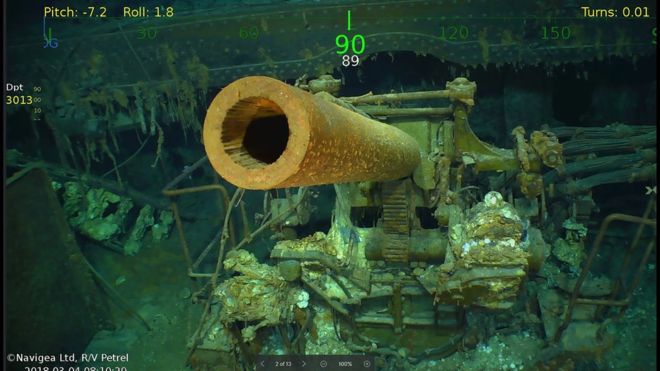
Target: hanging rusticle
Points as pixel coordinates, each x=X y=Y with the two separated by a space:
x=159 y=148
x=140 y=111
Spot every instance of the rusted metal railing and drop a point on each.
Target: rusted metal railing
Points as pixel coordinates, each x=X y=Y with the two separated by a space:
x=268 y=221
x=643 y=222
x=172 y=192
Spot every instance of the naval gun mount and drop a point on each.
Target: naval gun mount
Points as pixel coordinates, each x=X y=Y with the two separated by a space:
x=428 y=255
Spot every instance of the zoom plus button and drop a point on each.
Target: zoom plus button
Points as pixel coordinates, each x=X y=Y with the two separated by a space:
x=366 y=364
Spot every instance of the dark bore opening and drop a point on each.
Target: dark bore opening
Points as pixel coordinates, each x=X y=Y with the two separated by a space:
x=255 y=132
x=266 y=138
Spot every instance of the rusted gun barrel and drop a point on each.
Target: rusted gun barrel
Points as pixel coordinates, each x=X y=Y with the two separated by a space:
x=260 y=133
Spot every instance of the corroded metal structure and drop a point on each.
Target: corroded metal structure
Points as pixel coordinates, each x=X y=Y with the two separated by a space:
x=396 y=277
x=260 y=133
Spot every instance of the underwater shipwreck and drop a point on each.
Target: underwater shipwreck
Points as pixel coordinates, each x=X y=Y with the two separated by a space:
x=220 y=188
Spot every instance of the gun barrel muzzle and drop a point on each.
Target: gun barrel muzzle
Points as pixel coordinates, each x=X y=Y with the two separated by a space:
x=260 y=133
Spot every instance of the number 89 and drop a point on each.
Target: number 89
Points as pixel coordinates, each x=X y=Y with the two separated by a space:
x=350 y=60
